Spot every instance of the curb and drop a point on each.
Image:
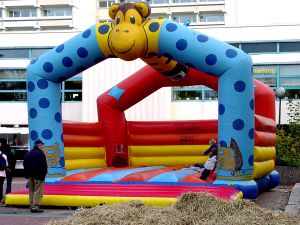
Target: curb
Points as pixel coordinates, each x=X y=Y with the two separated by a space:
x=293 y=206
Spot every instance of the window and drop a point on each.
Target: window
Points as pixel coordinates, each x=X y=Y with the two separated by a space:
x=73 y=85
x=158 y=2
x=58 y=12
x=271 y=82
x=12 y=74
x=105 y=4
x=187 y=95
x=289 y=46
x=13 y=96
x=181 y=18
x=268 y=47
x=237 y=45
x=290 y=81
x=72 y=89
x=259 y=47
x=265 y=70
x=213 y=17
x=211 y=0
x=184 y=1
x=286 y=70
x=13 y=86
x=210 y=95
x=14 y=53
x=72 y=96
x=22 y=53
x=266 y=74
x=292 y=93
x=22 y=13
x=287 y=76
x=159 y=16
x=194 y=93
x=36 y=52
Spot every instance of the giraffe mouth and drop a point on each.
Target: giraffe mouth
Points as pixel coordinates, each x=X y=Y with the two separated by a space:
x=123 y=52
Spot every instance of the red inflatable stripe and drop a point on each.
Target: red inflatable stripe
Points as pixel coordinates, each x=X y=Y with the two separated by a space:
x=147 y=175
x=173 y=127
x=264 y=139
x=265 y=124
x=85 y=176
x=171 y=139
x=82 y=128
x=195 y=178
x=83 y=141
x=264 y=100
x=137 y=190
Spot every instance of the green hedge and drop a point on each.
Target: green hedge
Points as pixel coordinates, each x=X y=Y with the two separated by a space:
x=288 y=145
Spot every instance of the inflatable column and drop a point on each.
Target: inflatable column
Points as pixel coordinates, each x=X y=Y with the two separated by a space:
x=233 y=68
x=44 y=77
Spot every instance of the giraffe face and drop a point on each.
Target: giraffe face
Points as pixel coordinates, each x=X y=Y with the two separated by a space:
x=127 y=39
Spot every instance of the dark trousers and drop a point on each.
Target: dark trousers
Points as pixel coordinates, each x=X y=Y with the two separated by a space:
x=205 y=174
x=8 y=182
x=1 y=187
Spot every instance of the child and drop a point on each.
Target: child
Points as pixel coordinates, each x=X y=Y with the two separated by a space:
x=210 y=164
x=213 y=144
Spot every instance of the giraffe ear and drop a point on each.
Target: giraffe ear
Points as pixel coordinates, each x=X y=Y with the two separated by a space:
x=144 y=8
x=113 y=10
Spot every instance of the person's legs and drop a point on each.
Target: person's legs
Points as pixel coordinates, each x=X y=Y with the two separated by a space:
x=1 y=187
x=31 y=190
x=204 y=174
x=38 y=194
x=8 y=182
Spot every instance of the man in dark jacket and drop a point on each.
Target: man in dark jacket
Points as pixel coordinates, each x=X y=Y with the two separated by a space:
x=35 y=168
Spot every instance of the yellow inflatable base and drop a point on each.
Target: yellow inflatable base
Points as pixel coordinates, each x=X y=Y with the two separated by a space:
x=87 y=201
x=90 y=201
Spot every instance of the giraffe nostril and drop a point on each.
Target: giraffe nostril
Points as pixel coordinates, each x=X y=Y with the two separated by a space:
x=126 y=31
x=117 y=30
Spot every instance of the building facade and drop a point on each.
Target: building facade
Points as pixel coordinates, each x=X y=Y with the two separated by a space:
x=268 y=30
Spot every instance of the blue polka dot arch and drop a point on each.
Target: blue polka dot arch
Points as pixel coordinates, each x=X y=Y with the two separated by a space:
x=177 y=42
x=44 y=77
x=232 y=67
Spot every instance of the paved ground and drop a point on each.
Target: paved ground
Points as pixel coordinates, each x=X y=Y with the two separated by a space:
x=23 y=216
x=293 y=206
x=276 y=199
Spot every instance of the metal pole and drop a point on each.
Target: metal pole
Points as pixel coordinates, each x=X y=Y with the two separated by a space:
x=280 y=93
x=279 y=113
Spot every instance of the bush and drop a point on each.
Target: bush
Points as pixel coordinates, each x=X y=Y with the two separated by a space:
x=288 y=146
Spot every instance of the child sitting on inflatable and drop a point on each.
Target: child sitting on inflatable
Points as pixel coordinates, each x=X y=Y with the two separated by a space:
x=210 y=164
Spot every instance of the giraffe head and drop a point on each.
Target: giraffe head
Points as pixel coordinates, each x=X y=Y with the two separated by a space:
x=127 y=39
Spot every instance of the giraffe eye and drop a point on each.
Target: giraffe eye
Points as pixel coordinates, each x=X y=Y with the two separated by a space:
x=118 y=20
x=132 y=20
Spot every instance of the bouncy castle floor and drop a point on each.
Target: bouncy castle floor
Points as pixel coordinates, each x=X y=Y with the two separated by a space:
x=156 y=185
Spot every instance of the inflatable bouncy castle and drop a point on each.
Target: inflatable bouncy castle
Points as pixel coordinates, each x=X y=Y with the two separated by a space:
x=115 y=160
